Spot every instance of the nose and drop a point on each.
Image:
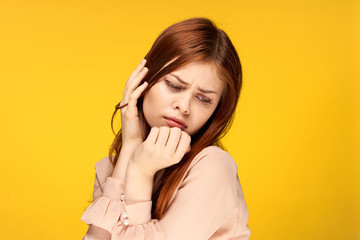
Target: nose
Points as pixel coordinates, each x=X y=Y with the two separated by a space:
x=183 y=104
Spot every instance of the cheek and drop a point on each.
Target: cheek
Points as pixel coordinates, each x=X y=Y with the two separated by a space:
x=154 y=101
x=148 y=104
x=205 y=113
x=155 y=97
x=200 y=117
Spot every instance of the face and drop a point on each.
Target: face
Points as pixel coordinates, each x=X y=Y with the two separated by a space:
x=184 y=98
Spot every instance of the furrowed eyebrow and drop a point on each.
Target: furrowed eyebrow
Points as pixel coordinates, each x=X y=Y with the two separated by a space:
x=186 y=84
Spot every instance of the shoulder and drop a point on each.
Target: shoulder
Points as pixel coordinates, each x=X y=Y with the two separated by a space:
x=212 y=156
x=214 y=161
x=212 y=170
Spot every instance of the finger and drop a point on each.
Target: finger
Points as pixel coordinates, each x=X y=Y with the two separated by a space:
x=163 y=136
x=153 y=135
x=136 y=79
x=183 y=145
x=136 y=71
x=132 y=86
x=174 y=138
x=132 y=108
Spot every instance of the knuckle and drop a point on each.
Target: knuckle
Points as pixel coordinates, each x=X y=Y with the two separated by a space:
x=186 y=136
x=154 y=129
x=164 y=129
x=175 y=130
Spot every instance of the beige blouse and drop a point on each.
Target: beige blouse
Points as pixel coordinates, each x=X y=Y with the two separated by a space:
x=207 y=204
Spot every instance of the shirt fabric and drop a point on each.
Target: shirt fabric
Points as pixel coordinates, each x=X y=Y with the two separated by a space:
x=208 y=204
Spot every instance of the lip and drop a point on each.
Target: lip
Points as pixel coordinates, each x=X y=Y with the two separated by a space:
x=175 y=122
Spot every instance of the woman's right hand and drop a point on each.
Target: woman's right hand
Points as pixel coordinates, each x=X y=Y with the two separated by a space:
x=130 y=122
x=163 y=147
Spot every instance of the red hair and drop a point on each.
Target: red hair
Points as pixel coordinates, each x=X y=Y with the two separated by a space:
x=194 y=39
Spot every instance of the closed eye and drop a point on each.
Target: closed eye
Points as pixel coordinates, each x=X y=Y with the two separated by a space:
x=205 y=100
x=175 y=87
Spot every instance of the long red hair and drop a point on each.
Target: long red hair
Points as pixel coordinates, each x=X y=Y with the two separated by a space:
x=194 y=39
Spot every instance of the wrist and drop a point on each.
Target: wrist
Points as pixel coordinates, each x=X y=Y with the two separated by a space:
x=138 y=186
x=122 y=162
x=127 y=149
x=139 y=172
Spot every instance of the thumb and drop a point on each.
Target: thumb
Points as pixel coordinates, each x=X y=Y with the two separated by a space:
x=188 y=149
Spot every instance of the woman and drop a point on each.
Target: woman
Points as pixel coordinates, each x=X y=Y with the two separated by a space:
x=170 y=177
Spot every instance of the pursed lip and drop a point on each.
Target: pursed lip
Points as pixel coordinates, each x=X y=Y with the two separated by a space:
x=177 y=120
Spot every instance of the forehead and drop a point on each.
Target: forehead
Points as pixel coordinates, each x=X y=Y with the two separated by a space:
x=202 y=74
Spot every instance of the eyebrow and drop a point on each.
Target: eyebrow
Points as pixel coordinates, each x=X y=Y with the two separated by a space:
x=186 y=84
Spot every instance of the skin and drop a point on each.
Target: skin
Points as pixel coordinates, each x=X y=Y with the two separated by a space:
x=171 y=98
x=165 y=145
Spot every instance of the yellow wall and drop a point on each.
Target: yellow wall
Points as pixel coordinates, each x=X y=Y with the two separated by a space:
x=63 y=67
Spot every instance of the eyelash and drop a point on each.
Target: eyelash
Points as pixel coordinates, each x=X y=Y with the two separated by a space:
x=177 y=88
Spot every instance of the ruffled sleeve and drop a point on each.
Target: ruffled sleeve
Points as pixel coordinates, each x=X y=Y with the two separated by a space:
x=208 y=204
x=109 y=210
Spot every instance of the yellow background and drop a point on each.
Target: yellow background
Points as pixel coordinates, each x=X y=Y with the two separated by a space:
x=63 y=68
